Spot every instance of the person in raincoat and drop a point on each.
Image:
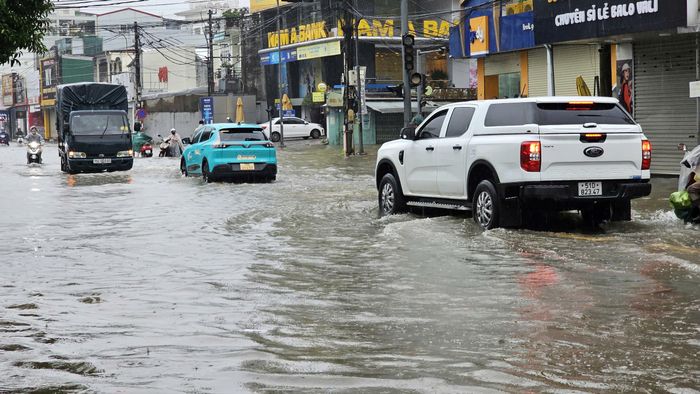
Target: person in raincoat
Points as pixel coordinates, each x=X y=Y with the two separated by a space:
x=691 y=180
x=139 y=138
x=175 y=142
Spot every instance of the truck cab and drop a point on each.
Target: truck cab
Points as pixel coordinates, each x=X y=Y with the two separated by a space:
x=94 y=129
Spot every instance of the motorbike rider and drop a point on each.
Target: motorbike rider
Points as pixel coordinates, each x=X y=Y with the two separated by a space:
x=175 y=142
x=34 y=136
x=140 y=138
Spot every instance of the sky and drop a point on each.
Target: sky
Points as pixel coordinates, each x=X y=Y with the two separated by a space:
x=166 y=8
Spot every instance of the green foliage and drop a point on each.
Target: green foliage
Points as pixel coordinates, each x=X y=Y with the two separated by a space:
x=234 y=16
x=23 y=24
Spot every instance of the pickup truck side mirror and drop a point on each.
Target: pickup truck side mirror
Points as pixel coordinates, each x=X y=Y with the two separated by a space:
x=408 y=133
x=186 y=141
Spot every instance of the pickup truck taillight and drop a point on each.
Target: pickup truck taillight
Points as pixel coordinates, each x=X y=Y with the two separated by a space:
x=530 y=156
x=646 y=154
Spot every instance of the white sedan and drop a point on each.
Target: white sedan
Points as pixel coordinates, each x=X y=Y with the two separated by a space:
x=293 y=127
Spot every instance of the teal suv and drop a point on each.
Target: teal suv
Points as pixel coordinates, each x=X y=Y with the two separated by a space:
x=230 y=151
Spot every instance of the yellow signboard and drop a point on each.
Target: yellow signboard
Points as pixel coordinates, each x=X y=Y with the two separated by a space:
x=480 y=27
x=427 y=28
x=261 y=5
x=318 y=50
x=318 y=97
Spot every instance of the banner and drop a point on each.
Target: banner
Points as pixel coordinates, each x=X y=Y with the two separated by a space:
x=48 y=81
x=8 y=92
x=575 y=20
x=261 y=5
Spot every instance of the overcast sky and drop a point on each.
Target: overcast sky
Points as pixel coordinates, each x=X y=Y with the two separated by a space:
x=166 y=8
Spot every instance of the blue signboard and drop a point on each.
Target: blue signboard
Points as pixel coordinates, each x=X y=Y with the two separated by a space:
x=207 y=106
x=271 y=58
x=289 y=113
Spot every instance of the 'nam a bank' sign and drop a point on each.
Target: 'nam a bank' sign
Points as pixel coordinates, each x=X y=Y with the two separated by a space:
x=366 y=28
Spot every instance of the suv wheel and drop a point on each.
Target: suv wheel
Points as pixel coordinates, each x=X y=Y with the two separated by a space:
x=391 y=199
x=486 y=206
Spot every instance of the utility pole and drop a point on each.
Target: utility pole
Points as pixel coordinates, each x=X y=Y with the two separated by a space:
x=419 y=89
x=137 y=67
x=279 y=73
x=210 y=66
x=347 y=39
x=406 y=82
x=359 y=81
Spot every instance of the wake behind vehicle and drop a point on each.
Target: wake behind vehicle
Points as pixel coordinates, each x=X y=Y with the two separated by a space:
x=94 y=134
x=509 y=161
x=232 y=151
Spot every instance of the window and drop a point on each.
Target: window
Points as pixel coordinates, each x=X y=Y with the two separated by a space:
x=96 y=123
x=459 y=121
x=197 y=134
x=242 y=134
x=432 y=128
x=291 y=121
x=566 y=113
x=510 y=114
x=206 y=134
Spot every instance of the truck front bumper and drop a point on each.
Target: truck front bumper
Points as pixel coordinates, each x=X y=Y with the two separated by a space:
x=89 y=165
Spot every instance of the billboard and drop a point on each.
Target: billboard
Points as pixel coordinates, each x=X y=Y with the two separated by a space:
x=48 y=81
x=19 y=89
x=8 y=91
x=575 y=20
x=261 y=5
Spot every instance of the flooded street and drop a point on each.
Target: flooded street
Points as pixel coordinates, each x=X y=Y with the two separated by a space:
x=148 y=282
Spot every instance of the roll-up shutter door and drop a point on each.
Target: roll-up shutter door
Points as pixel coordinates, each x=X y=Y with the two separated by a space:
x=570 y=61
x=662 y=72
x=504 y=63
x=537 y=72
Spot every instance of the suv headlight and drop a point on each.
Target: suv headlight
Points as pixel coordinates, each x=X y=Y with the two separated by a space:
x=76 y=155
x=125 y=153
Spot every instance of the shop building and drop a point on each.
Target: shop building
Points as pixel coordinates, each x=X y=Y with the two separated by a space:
x=645 y=53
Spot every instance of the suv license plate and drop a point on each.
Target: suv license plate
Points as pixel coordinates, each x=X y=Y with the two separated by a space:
x=586 y=189
x=102 y=161
x=247 y=166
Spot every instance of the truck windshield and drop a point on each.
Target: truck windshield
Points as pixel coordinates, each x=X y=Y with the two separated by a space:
x=99 y=124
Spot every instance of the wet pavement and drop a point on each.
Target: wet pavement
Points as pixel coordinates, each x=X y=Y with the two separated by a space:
x=148 y=282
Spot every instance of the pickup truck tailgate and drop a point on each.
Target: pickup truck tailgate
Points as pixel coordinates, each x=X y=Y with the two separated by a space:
x=575 y=152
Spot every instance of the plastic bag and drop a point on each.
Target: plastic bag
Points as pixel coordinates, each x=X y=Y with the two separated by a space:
x=680 y=200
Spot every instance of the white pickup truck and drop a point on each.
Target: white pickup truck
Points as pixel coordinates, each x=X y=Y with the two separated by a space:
x=510 y=160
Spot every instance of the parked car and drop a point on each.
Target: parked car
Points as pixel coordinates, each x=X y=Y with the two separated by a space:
x=219 y=151
x=293 y=127
x=507 y=160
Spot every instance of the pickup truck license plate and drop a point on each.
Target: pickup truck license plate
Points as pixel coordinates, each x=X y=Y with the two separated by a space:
x=101 y=161
x=586 y=189
x=247 y=166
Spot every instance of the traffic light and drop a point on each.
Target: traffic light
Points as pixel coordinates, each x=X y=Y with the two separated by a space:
x=417 y=79
x=408 y=40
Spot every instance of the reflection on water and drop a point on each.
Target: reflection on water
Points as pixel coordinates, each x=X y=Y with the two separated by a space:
x=147 y=281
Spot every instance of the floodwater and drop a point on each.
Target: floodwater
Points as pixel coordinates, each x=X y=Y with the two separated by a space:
x=148 y=282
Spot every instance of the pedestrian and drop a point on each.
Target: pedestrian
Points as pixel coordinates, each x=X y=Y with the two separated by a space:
x=625 y=95
x=201 y=122
x=229 y=120
x=175 y=143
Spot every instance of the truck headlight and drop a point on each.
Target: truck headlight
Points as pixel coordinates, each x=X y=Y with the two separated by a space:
x=76 y=155
x=125 y=153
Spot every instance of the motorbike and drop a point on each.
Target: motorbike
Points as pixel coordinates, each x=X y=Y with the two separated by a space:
x=20 y=140
x=4 y=138
x=166 y=148
x=34 y=150
x=146 y=150
x=680 y=200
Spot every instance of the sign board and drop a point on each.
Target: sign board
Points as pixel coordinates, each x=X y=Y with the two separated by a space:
x=479 y=36
x=271 y=58
x=289 y=113
x=318 y=50
x=8 y=93
x=261 y=5
x=141 y=114
x=334 y=100
x=207 y=107
x=48 y=81
x=220 y=36
x=695 y=89
x=560 y=21
x=322 y=87
x=318 y=97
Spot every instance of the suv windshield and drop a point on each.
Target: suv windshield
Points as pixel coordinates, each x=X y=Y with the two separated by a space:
x=580 y=113
x=242 y=134
x=99 y=124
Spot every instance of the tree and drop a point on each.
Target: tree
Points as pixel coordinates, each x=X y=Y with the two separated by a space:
x=23 y=24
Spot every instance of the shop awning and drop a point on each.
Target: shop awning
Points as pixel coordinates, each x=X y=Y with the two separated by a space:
x=396 y=107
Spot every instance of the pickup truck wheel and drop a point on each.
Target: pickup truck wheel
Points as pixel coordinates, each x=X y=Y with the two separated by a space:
x=391 y=200
x=486 y=206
